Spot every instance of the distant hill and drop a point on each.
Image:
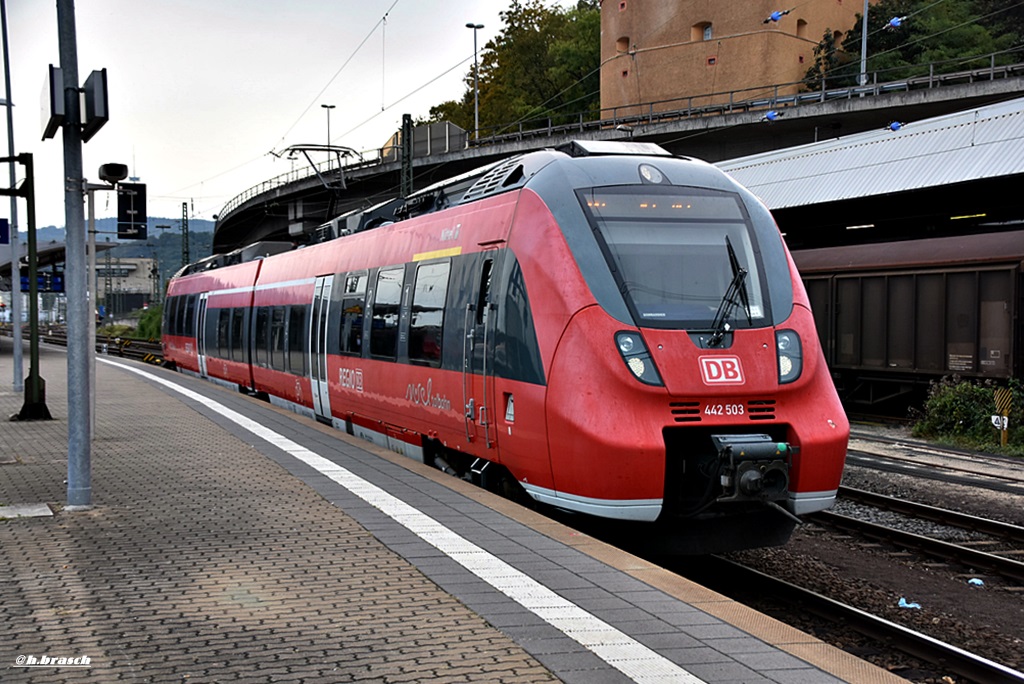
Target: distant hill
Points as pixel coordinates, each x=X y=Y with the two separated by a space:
x=163 y=244
x=107 y=227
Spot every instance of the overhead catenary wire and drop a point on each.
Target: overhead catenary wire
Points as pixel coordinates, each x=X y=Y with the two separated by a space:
x=562 y=106
x=382 y=20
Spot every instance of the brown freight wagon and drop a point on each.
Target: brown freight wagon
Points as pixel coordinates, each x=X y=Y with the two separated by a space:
x=894 y=316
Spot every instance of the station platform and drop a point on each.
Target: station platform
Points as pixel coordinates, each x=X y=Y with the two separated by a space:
x=231 y=541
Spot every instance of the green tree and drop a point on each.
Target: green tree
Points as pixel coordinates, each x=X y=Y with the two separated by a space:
x=826 y=62
x=544 y=63
x=953 y=35
x=149 y=324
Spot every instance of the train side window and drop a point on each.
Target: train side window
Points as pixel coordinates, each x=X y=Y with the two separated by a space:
x=179 y=315
x=353 y=304
x=277 y=338
x=297 y=339
x=188 y=326
x=237 y=325
x=484 y=293
x=169 y=305
x=176 y=315
x=427 y=325
x=384 y=323
x=224 y=334
x=260 y=335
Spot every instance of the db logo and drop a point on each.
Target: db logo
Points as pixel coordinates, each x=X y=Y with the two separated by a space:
x=721 y=370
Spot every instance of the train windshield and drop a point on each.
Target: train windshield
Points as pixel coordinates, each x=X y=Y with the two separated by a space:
x=677 y=253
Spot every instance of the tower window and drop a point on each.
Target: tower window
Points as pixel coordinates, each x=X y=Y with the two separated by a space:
x=701 y=31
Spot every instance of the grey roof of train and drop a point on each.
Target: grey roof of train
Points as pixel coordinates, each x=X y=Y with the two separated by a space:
x=986 y=142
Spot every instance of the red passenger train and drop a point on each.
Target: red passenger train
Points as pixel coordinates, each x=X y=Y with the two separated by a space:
x=620 y=332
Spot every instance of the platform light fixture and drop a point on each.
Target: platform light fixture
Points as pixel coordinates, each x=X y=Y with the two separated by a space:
x=476 y=82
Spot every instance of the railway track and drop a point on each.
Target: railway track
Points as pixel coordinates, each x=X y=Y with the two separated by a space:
x=945 y=551
x=124 y=347
x=921 y=461
x=725 y=576
x=927 y=461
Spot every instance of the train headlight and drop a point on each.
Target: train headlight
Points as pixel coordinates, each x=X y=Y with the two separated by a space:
x=790 y=355
x=638 y=360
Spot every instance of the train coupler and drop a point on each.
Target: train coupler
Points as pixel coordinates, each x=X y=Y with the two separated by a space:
x=753 y=467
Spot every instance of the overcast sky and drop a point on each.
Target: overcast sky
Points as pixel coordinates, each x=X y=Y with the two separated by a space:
x=200 y=91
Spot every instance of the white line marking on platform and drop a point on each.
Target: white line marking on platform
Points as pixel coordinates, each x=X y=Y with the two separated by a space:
x=625 y=654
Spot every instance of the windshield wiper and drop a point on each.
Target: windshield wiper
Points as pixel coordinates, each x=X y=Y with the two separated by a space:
x=735 y=295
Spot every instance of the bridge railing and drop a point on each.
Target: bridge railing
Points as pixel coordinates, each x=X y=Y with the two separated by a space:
x=763 y=98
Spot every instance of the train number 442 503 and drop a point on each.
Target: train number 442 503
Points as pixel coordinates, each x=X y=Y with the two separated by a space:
x=724 y=409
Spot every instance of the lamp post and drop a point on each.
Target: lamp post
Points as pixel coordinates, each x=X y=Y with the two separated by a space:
x=19 y=384
x=864 y=46
x=111 y=174
x=476 y=82
x=328 y=108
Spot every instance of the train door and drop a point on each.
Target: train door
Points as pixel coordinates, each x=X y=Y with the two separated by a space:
x=478 y=356
x=318 y=347
x=201 y=334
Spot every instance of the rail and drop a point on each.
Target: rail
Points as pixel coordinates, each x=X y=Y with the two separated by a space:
x=110 y=345
x=945 y=551
x=764 y=98
x=973 y=667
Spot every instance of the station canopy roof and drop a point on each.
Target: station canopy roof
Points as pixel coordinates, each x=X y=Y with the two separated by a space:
x=975 y=144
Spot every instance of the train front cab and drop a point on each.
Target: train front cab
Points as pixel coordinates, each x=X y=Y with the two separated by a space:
x=688 y=386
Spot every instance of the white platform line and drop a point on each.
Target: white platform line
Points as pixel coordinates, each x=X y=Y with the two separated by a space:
x=625 y=654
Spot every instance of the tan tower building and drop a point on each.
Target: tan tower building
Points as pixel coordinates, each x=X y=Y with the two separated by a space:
x=679 y=53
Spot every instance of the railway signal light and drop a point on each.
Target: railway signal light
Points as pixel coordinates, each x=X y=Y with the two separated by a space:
x=131 y=211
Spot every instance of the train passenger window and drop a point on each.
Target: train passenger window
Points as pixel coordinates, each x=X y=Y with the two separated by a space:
x=277 y=338
x=516 y=353
x=188 y=326
x=260 y=334
x=297 y=337
x=484 y=294
x=169 y=305
x=353 y=302
x=384 y=323
x=237 y=325
x=178 y=315
x=428 y=299
x=224 y=334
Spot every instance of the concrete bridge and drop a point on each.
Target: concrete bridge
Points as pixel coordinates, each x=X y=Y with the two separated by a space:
x=292 y=206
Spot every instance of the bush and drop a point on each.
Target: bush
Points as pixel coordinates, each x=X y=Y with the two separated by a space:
x=148 y=327
x=960 y=411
